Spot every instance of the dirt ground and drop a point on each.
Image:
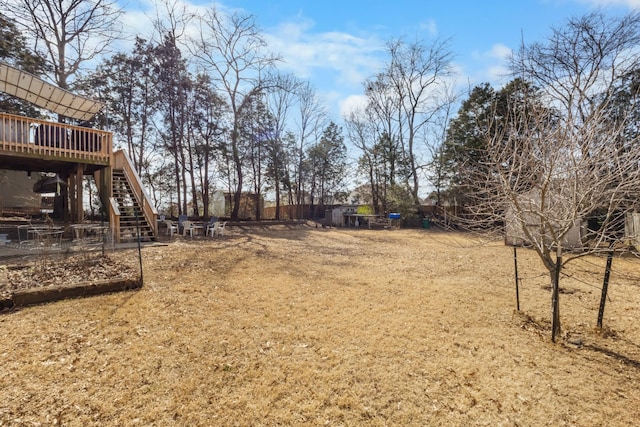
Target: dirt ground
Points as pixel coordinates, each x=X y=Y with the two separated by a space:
x=337 y=327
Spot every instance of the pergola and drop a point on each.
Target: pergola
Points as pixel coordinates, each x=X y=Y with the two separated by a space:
x=45 y=95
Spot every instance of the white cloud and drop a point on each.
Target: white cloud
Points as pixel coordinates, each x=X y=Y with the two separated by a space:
x=430 y=27
x=498 y=74
x=337 y=63
x=632 y=4
x=138 y=22
x=348 y=58
x=141 y=20
x=351 y=103
x=500 y=51
x=489 y=66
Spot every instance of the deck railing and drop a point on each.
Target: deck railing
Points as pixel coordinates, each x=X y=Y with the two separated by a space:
x=26 y=137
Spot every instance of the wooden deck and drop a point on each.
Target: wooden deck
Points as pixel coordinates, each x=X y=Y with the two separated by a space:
x=38 y=145
x=72 y=152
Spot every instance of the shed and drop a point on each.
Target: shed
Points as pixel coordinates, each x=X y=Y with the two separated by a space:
x=531 y=215
x=336 y=216
x=632 y=229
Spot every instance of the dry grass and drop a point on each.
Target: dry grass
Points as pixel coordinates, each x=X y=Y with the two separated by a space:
x=329 y=327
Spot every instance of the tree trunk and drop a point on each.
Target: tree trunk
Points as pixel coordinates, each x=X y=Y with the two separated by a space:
x=205 y=188
x=257 y=198
x=176 y=165
x=277 y=188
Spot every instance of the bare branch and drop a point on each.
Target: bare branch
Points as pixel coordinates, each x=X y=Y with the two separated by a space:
x=70 y=33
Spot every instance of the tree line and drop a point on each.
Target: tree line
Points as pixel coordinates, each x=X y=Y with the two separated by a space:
x=196 y=112
x=200 y=105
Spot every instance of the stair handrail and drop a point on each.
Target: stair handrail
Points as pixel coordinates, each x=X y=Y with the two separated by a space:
x=122 y=161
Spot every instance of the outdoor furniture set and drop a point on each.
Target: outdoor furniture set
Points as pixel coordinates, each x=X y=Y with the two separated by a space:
x=40 y=236
x=187 y=227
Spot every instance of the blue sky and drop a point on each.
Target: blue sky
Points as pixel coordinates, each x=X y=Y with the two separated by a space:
x=337 y=44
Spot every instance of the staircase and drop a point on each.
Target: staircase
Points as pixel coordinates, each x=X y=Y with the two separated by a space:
x=129 y=207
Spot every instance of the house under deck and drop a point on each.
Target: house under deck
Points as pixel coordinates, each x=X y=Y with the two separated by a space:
x=72 y=152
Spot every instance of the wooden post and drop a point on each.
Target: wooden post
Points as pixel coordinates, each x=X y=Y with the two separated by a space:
x=79 y=203
x=515 y=263
x=64 y=198
x=555 y=303
x=71 y=196
x=605 y=287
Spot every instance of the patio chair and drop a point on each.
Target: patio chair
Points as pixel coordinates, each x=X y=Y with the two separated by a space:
x=171 y=227
x=221 y=226
x=188 y=227
x=211 y=226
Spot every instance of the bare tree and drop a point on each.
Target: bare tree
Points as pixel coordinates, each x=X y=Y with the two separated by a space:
x=231 y=48
x=555 y=158
x=311 y=120
x=414 y=75
x=280 y=101
x=438 y=174
x=69 y=33
x=362 y=135
x=402 y=102
x=383 y=110
x=379 y=157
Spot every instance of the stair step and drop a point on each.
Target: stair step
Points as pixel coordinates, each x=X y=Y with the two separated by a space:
x=128 y=205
